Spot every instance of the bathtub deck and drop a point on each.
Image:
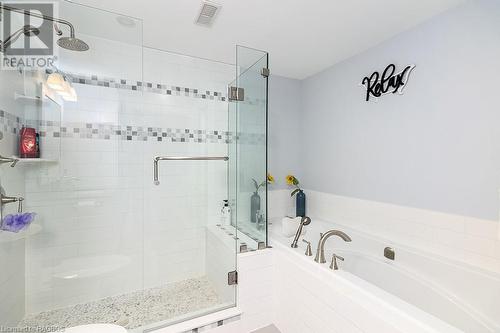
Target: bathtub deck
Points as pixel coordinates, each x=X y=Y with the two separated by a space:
x=268 y=329
x=135 y=309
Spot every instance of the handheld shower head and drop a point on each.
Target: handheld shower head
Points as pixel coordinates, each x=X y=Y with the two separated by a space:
x=306 y=220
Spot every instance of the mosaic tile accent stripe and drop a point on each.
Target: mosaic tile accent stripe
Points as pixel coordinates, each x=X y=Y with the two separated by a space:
x=151 y=87
x=157 y=88
x=105 y=131
x=9 y=123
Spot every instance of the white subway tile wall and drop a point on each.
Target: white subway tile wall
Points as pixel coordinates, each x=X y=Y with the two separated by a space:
x=98 y=204
x=255 y=292
x=11 y=179
x=461 y=238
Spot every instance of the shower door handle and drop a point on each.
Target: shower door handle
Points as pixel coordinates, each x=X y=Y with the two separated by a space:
x=182 y=158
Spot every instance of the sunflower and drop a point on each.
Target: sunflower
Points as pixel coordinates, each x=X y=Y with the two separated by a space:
x=270 y=178
x=293 y=181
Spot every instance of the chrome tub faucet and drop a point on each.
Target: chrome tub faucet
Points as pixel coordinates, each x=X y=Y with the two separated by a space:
x=320 y=252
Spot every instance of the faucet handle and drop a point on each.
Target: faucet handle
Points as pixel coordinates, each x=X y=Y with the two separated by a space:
x=334 y=264
x=20 y=204
x=309 y=252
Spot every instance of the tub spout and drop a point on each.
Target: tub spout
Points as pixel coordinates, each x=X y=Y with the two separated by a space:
x=320 y=252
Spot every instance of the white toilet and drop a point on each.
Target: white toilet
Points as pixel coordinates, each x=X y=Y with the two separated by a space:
x=96 y=328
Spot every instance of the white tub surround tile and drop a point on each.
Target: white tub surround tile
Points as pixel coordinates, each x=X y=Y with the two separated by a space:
x=255 y=301
x=280 y=203
x=255 y=297
x=473 y=241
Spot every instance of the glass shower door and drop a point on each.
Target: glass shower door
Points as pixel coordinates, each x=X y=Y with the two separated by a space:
x=189 y=249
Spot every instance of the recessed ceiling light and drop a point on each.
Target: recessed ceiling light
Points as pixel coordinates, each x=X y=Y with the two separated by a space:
x=126 y=21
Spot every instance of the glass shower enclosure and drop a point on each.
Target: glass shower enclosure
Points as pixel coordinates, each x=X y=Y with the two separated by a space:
x=248 y=118
x=143 y=189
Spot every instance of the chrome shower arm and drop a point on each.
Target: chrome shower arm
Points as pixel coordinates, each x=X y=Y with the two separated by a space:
x=42 y=16
x=182 y=158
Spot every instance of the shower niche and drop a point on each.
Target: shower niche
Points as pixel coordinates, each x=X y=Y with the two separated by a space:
x=41 y=110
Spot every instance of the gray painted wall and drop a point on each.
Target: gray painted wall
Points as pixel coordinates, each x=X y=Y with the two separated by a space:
x=284 y=129
x=436 y=147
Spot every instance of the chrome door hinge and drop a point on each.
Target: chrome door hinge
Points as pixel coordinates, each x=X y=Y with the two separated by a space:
x=243 y=248
x=265 y=72
x=236 y=94
x=232 y=278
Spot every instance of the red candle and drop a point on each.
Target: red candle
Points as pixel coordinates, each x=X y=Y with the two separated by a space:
x=27 y=143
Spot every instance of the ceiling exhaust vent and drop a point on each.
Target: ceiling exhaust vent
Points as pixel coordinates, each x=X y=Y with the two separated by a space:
x=207 y=13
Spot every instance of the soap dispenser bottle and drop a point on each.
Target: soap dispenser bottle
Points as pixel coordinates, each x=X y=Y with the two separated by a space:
x=225 y=213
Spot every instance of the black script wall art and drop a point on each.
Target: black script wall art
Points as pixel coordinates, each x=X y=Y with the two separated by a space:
x=386 y=83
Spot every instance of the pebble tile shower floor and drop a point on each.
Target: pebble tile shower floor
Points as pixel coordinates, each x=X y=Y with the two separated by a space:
x=135 y=309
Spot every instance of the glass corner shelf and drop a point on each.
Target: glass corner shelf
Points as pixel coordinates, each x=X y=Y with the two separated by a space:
x=26 y=98
x=35 y=99
x=7 y=237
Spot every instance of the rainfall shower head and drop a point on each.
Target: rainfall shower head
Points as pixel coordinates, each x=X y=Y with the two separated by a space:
x=72 y=44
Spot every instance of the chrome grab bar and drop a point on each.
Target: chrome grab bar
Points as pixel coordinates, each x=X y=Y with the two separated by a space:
x=182 y=158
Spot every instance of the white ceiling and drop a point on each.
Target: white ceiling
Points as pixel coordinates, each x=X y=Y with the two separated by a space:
x=303 y=37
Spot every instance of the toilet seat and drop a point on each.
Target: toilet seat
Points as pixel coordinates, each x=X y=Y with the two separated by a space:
x=96 y=328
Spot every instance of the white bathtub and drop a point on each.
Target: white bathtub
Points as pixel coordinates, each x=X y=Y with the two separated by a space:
x=439 y=294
